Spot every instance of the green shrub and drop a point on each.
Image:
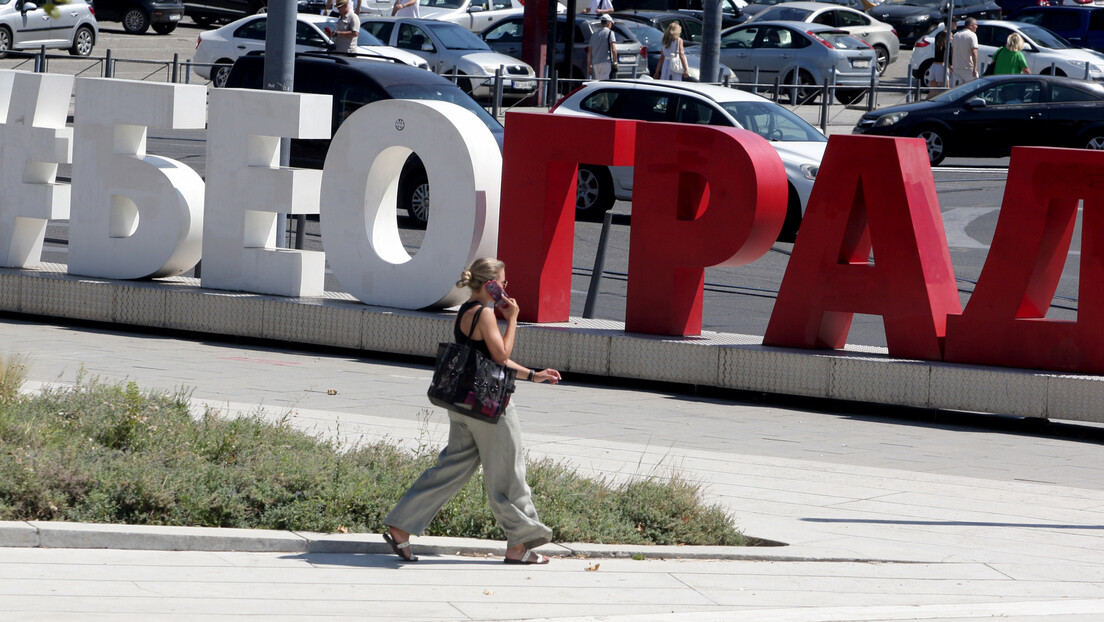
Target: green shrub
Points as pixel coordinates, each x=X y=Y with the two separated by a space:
x=114 y=454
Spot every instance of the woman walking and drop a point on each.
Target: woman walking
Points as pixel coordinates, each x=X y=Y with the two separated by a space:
x=497 y=446
x=672 y=63
x=1009 y=59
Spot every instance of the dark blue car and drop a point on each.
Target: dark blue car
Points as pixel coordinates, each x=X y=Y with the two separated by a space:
x=1081 y=26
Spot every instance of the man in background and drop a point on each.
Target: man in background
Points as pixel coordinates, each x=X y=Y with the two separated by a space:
x=964 y=53
x=602 y=53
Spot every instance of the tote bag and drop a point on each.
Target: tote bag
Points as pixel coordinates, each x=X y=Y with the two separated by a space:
x=469 y=383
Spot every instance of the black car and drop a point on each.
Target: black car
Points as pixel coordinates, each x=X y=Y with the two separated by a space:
x=987 y=117
x=138 y=16
x=1009 y=7
x=912 y=19
x=206 y=12
x=660 y=20
x=354 y=82
x=731 y=13
x=1082 y=26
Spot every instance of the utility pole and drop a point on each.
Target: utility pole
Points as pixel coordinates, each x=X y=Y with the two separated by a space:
x=710 y=70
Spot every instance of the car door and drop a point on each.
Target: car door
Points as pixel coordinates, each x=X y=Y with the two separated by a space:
x=1069 y=110
x=249 y=37
x=853 y=22
x=32 y=27
x=492 y=11
x=64 y=26
x=736 y=48
x=774 y=51
x=415 y=39
x=505 y=37
x=1014 y=113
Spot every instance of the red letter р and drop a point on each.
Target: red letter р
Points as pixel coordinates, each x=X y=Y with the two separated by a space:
x=1005 y=321
x=536 y=232
x=703 y=196
x=875 y=192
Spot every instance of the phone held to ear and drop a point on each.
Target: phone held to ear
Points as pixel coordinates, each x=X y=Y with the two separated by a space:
x=496 y=292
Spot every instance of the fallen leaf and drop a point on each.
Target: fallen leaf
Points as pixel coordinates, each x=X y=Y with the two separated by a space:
x=593 y=568
x=343 y=529
x=488 y=593
x=331 y=392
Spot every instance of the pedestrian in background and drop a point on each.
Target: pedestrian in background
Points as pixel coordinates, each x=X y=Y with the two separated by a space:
x=672 y=62
x=332 y=11
x=405 y=8
x=497 y=446
x=347 y=29
x=1009 y=59
x=936 y=76
x=599 y=7
x=602 y=51
x=964 y=53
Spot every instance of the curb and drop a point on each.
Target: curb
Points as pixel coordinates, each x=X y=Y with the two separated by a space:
x=64 y=535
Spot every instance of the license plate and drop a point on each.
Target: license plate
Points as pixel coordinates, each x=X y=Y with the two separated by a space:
x=626 y=59
x=860 y=64
x=525 y=85
x=174 y=18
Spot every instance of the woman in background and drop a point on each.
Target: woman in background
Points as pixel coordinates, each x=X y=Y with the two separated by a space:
x=672 y=62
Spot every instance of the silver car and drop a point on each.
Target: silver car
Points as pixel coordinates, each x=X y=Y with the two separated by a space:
x=452 y=49
x=800 y=56
x=24 y=25
x=877 y=34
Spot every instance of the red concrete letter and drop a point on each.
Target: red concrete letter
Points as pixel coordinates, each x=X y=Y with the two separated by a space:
x=702 y=196
x=540 y=164
x=870 y=192
x=1004 y=323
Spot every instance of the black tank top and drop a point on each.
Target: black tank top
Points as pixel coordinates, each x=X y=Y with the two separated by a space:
x=461 y=336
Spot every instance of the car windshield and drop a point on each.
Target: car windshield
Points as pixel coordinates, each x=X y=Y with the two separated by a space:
x=447 y=93
x=651 y=37
x=784 y=13
x=442 y=4
x=367 y=38
x=772 y=122
x=1044 y=37
x=456 y=37
x=931 y=4
x=961 y=91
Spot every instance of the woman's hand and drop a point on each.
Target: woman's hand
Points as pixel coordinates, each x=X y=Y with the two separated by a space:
x=510 y=309
x=549 y=375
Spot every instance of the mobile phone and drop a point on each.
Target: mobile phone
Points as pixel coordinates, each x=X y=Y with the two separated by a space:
x=496 y=292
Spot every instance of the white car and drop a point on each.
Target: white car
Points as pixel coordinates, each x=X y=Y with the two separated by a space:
x=216 y=50
x=1046 y=53
x=27 y=26
x=800 y=145
x=877 y=34
x=475 y=15
x=451 y=49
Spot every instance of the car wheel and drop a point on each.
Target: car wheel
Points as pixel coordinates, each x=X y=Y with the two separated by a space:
x=1095 y=141
x=135 y=21
x=803 y=94
x=937 y=144
x=1056 y=72
x=203 y=20
x=5 y=41
x=82 y=42
x=414 y=193
x=793 y=217
x=882 y=59
x=923 y=72
x=594 y=196
x=164 y=29
x=849 y=96
x=220 y=73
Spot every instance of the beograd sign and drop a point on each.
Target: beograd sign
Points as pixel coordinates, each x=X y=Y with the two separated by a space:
x=704 y=196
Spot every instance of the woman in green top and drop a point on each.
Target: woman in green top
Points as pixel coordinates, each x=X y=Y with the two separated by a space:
x=1010 y=59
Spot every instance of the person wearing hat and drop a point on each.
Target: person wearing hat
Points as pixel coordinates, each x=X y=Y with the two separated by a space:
x=602 y=52
x=347 y=29
x=332 y=11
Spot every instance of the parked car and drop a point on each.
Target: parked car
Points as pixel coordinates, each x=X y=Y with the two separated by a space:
x=1009 y=7
x=755 y=7
x=799 y=54
x=800 y=145
x=137 y=16
x=475 y=15
x=1081 y=26
x=912 y=19
x=660 y=20
x=652 y=39
x=354 y=82
x=75 y=28
x=985 y=118
x=216 y=50
x=1045 y=52
x=504 y=36
x=206 y=12
x=451 y=49
x=732 y=11
x=876 y=34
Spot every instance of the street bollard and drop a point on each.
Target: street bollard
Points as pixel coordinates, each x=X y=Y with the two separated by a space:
x=109 y=69
x=175 y=67
x=777 y=90
x=40 y=60
x=188 y=71
x=871 y=100
x=599 y=267
x=824 y=108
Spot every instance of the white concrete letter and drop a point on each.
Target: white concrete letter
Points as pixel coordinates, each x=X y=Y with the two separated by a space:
x=33 y=141
x=134 y=215
x=246 y=188
x=360 y=184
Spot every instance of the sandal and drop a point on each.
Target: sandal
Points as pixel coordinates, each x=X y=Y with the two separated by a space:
x=402 y=549
x=530 y=558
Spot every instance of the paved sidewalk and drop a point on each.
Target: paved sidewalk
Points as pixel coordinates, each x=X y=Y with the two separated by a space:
x=884 y=519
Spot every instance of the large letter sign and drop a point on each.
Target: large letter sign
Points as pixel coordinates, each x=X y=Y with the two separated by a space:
x=33 y=141
x=246 y=188
x=133 y=215
x=359 y=189
x=1005 y=322
x=542 y=155
x=703 y=196
x=871 y=192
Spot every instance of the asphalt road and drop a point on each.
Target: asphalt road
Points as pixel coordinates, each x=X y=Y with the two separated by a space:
x=737 y=300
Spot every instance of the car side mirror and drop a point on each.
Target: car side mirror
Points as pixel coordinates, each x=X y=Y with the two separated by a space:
x=427 y=47
x=28 y=6
x=975 y=102
x=477 y=7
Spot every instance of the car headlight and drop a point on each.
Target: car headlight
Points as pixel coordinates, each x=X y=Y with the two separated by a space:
x=890 y=119
x=491 y=69
x=810 y=170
